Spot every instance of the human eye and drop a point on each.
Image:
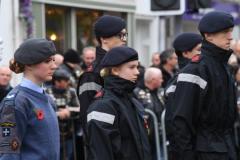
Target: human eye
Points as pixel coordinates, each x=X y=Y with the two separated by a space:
x=49 y=60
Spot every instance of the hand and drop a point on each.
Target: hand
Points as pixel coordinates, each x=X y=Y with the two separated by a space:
x=63 y=113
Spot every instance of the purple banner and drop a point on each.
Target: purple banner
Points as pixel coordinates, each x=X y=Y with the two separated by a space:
x=232 y=8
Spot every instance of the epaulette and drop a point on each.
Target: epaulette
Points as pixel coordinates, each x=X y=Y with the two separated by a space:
x=89 y=68
x=99 y=94
x=196 y=58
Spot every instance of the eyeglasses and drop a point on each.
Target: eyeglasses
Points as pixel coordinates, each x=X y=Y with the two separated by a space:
x=122 y=36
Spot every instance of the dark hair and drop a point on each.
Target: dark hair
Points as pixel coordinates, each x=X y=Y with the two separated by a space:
x=16 y=67
x=179 y=53
x=165 y=55
x=99 y=41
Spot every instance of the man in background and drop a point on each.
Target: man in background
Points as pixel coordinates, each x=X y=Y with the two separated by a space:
x=88 y=56
x=5 y=77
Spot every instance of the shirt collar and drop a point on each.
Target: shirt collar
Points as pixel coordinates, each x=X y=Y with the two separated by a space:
x=29 y=84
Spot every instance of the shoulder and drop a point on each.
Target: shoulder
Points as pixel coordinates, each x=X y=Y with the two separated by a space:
x=195 y=74
x=102 y=110
x=17 y=99
x=17 y=96
x=101 y=105
x=196 y=66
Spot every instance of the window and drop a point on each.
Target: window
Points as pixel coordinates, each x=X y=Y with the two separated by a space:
x=56 y=26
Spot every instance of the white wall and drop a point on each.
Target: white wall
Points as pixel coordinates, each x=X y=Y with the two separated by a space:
x=9 y=33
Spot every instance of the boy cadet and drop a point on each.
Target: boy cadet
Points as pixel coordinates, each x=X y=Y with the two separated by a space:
x=204 y=101
x=110 y=32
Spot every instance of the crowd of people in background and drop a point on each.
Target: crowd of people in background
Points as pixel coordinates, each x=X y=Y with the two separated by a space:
x=87 y=87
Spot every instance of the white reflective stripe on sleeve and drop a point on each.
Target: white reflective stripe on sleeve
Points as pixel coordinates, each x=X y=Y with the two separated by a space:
x=89 y=86
x=102 y=117
x=171 y=89
x=184 y=77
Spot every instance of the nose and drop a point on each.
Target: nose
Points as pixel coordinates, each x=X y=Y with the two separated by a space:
x=230 y=36
x=54 y=65
x=137 y=72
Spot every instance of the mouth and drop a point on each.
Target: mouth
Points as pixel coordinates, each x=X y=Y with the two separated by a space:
x=134 y=79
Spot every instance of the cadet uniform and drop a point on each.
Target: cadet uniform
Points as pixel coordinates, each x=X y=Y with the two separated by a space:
x=115 y=125
x=65 y=98
x=182 y=43
x=90 y=82
x=204 y=103
x=185 y=42
x=28 y=123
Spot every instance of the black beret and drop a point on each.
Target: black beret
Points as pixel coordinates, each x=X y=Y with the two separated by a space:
x=108 y=26
x=186 y=41
x=119 y=55
x=34 y=51
x=61 y=74
x=72 y=56
x=215 y=21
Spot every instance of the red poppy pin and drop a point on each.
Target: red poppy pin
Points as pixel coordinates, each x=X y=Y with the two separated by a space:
x=39 y=113
x=99 y=94
x=146 y=126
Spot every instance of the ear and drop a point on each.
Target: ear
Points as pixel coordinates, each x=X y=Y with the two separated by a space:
x=115 y=71
x=208 y=36
x=28 y=67
x=185 y=54
x=103 y=40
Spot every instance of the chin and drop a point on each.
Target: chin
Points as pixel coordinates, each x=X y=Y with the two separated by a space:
x=48 y=78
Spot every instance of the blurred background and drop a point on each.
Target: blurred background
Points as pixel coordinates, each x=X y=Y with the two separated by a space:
x=152 y=24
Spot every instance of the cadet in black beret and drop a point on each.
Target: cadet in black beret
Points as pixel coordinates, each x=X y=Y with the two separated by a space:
x=204 y=104
x=215 y=21
x=108 y=26
x=187 y=45
x=116 y=112
x=217 y=25
x=118 y=56
x=110 y=32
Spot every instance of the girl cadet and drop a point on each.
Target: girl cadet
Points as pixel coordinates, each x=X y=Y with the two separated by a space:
x=115 y=126
x=28 y=123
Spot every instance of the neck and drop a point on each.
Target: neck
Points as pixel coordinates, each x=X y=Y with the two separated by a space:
x=33 y=79
x=105 y=47
x=168 y=68
x=149 y=86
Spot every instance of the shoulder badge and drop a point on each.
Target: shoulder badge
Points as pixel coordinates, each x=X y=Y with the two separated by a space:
x=196 y=58
x=99 y=94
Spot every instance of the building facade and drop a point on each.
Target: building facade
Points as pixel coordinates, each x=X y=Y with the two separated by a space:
x=69 y=24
